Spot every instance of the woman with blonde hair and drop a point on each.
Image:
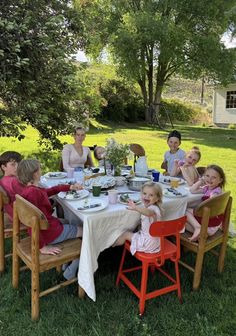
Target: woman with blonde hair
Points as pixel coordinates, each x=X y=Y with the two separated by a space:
x=76 y=155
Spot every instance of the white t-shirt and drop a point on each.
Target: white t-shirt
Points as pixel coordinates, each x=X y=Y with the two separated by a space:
x=171 y=157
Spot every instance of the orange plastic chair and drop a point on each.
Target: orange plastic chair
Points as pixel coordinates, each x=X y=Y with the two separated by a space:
x=168 y=250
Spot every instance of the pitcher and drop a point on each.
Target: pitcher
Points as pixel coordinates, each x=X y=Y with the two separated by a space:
x=141 y=167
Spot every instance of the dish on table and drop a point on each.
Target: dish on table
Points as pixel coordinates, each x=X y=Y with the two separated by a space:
x=105 y=182
x=168 y=179
x=124 y=198
x=73 y=195
x=91 y=205
x=174 y=193
x=55 y=175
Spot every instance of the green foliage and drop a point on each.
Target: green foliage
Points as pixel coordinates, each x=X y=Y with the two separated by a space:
x=123 y=103
x=181 y=111
x=37 y=79
x=232 y=126
x=152 y=40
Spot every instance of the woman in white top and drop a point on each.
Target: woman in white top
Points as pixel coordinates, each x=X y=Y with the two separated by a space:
x=75 y=155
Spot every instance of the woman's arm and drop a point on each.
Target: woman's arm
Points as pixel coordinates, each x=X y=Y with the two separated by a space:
x=66 y=152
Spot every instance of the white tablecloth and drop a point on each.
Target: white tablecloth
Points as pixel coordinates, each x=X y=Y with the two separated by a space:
x=101 y=229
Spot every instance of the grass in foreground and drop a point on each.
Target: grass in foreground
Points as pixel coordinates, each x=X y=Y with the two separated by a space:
x=207 y=312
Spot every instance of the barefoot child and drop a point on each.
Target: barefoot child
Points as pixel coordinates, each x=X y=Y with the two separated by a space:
x=175 y=153
x=151 y=195
x=209 y=185
x=186 y=167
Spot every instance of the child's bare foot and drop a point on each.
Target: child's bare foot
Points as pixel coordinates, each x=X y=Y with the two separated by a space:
x=195 y=235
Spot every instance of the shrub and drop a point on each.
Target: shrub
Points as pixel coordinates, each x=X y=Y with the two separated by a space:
x=187 y=112
x=232 y=126
x=123 y=103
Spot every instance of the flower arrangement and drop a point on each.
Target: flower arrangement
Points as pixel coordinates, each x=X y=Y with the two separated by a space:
x=116 y=153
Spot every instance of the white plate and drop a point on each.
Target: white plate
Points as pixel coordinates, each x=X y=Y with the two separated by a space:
x=169 y=194
x=132 y=197
x=79 y=195
x=167 y=179
x=55 y=175
x=81 y=204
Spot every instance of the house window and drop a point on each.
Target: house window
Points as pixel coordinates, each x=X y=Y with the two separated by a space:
x=231 y=99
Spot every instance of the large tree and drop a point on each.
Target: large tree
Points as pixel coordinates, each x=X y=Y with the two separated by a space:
x=153 y=39
x=37 y=76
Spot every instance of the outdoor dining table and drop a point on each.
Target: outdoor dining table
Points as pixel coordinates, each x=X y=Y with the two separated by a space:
x=102 y=228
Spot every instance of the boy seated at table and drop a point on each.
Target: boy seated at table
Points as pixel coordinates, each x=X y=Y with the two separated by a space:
x=9 y=182
x=175 y=153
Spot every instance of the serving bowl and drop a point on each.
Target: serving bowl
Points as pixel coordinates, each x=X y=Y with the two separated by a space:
x=136 y=183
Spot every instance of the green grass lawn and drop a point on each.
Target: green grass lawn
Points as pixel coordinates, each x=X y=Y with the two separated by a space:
x=210 y=311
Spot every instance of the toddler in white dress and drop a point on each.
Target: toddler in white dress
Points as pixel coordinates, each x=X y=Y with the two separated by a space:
x=151 y=195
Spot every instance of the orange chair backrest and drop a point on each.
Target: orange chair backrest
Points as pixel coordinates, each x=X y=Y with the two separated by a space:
x=28 y=213
x=167 y=228
x=164 y=229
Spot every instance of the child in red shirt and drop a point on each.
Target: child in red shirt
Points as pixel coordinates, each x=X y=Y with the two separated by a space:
x=29 y=173
x=11 y=186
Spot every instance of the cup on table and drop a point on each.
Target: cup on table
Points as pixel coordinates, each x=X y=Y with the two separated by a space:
x=174 y=182
x=96 y=190
x=112 y=196
x=155 y=175
x=70 y=172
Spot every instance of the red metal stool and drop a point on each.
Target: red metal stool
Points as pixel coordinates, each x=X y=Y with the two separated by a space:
x=168 y=251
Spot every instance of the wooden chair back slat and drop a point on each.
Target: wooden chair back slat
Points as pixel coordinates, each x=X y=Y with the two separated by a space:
x=216 y=205
x=26 y=211
x=4 y=199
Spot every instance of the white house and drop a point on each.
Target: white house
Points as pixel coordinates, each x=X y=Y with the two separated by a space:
x=224 y=105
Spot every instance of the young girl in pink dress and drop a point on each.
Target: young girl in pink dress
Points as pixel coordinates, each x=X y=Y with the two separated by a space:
x=151 y=212
x=209 y=185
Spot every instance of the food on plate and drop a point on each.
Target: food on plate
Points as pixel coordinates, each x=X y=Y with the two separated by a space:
x=104 y=181
x=126 y=197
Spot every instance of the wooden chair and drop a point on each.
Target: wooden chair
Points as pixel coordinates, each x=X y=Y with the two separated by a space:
x=212 y=207
x=6 y=229
x=137 y=150
x=27 y=249
x=168 y=251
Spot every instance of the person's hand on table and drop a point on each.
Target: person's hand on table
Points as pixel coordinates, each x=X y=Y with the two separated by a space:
x=76 y=186
x=52 y=250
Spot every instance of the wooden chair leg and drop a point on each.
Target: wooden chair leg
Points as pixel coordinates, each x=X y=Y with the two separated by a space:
x=15 y=270
x=198 y=270
x=2 y=249
x=143 y=288
x=221 y=260
x=34 y=295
